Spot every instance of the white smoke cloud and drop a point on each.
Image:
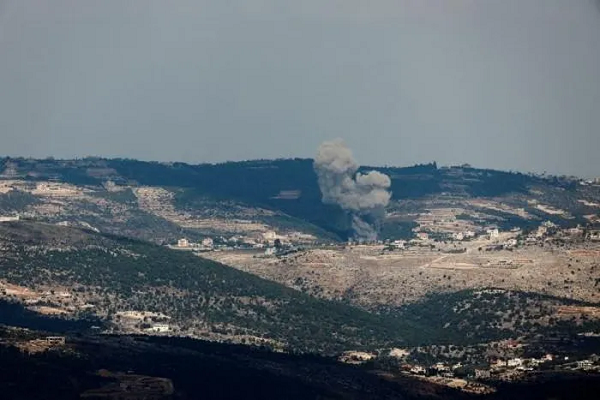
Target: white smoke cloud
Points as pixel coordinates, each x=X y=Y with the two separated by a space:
x=363 y=195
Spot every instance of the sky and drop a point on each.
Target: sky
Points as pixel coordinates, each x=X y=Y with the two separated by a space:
x=504 y=84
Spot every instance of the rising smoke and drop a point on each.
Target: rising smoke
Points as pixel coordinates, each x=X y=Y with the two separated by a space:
x=364 y=196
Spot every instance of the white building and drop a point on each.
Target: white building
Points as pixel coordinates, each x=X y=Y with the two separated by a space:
x=441 y=367
x=418 y=370
x=458 y=236
x=515 y=362
x=493 y=233
x=270 y=251
x=207 y=242
x=270 y=235
x=398 y=244
x=159 y=328
x=584 y=364
x=183 y=242
x=541 y=231
x=399 y=353
x=482 y=373
x=356 y=357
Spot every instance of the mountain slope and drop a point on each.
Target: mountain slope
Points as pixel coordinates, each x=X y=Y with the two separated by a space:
x=177 y=368
x=273 y=194
x=80 y=273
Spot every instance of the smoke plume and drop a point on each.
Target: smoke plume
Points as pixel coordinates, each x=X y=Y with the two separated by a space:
x=364 y=196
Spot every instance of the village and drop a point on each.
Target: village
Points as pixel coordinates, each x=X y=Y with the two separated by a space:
x=479 y=377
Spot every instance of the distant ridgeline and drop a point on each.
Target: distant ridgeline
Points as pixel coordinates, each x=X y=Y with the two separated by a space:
x=286 y=185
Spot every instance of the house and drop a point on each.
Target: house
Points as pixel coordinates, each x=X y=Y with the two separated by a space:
x=270 y=235
x=399 y=353
x=183 y=242
x=418 y=370
x=531 y=239
x=270 y=251
x=458 y=236
x=515 y=362
x=576 y=231
x=541 y=231
x=584 y=364
x=159 y=328
x=482 y=374
x=398 y=244
x=356 y=357
x=493 y=233
x=55 y=340
x=234 y=239
x=207 y=242
x=441 y=367
x=457 y=365
x=499 y=364
x=469 y=234
x=423 y=235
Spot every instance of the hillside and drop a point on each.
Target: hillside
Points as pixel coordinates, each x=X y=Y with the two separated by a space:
x=175 y=368
x=134 y=286
x=164 y=201
x=564 y=265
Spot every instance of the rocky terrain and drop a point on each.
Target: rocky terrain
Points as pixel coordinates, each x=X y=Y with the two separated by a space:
x=373 y=276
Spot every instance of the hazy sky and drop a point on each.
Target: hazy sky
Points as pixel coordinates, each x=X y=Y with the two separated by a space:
x=508 y=84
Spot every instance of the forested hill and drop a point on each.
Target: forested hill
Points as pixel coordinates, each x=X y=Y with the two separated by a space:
x=287 y=186
x=260 y=181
